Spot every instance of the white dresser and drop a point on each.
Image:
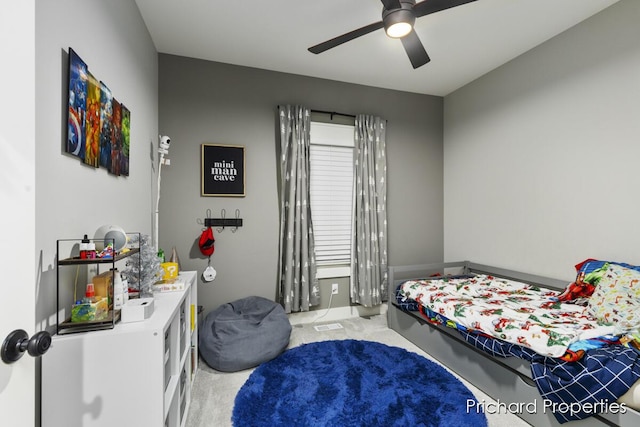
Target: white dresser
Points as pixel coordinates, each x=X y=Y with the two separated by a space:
x=136 y=374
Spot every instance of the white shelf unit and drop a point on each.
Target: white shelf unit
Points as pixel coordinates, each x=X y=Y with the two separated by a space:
x=137 y=373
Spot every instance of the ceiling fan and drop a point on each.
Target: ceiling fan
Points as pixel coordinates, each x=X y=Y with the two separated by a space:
x=398 y=17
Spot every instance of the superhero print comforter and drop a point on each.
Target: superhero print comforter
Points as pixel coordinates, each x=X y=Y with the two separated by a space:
x=514 y=312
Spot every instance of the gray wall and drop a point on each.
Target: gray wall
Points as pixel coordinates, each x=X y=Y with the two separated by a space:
x=208 y=102
x=73 y=199
x=541 y=155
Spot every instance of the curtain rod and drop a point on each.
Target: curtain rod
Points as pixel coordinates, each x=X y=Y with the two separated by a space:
x=333 y=113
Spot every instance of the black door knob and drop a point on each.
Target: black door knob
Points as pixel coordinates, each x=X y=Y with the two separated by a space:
x=17 y=342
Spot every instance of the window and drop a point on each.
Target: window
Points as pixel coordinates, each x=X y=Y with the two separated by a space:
x=331 y=179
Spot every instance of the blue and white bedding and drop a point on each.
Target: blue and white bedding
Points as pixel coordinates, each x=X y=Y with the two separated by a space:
x=598 y=372
x=601 y=375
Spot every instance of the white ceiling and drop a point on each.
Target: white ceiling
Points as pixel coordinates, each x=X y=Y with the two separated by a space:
x=464 y=42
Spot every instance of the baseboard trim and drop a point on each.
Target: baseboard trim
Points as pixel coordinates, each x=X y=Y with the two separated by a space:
x=337 y=313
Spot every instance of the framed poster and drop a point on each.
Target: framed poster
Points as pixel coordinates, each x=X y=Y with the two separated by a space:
x=222 y=170
x=92 y=122
x=106 y=125
x=78 y=76
x=125 y=137
x=98 y=125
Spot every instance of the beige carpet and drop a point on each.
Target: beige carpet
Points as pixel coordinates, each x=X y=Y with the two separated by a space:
x=213 y=392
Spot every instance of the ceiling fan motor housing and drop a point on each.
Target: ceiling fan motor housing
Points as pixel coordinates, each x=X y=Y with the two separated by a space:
x=404 y=14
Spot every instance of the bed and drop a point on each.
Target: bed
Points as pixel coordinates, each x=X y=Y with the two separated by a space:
x=510 y=372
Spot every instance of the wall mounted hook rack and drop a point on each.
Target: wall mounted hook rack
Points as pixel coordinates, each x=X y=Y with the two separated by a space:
x=223 y=221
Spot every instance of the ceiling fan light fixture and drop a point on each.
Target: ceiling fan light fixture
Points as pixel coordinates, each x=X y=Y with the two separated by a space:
x=398 y=22
x=399 y=30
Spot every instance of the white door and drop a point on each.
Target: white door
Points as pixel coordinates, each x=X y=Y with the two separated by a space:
x=17 y=195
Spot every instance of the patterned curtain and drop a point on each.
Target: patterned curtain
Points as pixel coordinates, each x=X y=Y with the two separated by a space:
x=369 y=242
x=298 y=288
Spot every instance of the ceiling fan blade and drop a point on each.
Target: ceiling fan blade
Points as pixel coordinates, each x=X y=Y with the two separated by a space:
x=336 y=41
x=391 y=4
x=431 y=6
x=415 y=50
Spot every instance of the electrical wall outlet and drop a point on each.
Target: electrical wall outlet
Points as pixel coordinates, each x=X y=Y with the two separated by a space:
x=334 y=289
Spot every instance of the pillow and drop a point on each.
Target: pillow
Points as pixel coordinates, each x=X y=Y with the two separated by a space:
x=589 y=272
x=592 y=269
x=616 y=299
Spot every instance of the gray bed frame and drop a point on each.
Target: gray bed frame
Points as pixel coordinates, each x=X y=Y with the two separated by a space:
x=507 y=380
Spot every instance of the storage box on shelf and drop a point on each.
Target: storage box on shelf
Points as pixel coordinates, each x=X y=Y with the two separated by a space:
x=72 y=313
x=139 y=373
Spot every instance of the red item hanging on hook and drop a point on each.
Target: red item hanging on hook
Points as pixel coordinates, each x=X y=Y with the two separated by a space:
x=206 y=242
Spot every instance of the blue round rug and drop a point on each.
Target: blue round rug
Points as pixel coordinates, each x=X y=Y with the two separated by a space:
x=353 y=383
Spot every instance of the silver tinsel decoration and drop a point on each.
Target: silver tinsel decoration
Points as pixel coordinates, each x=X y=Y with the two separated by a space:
x=147 y=264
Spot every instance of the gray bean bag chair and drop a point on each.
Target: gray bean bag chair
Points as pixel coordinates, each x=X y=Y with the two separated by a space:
x=243 y=334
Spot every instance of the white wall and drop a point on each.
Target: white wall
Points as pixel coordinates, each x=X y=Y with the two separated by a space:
x=73 y=199
x=542 y=155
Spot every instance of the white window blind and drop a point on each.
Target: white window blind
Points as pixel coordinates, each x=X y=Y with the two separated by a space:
x=331 y=177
